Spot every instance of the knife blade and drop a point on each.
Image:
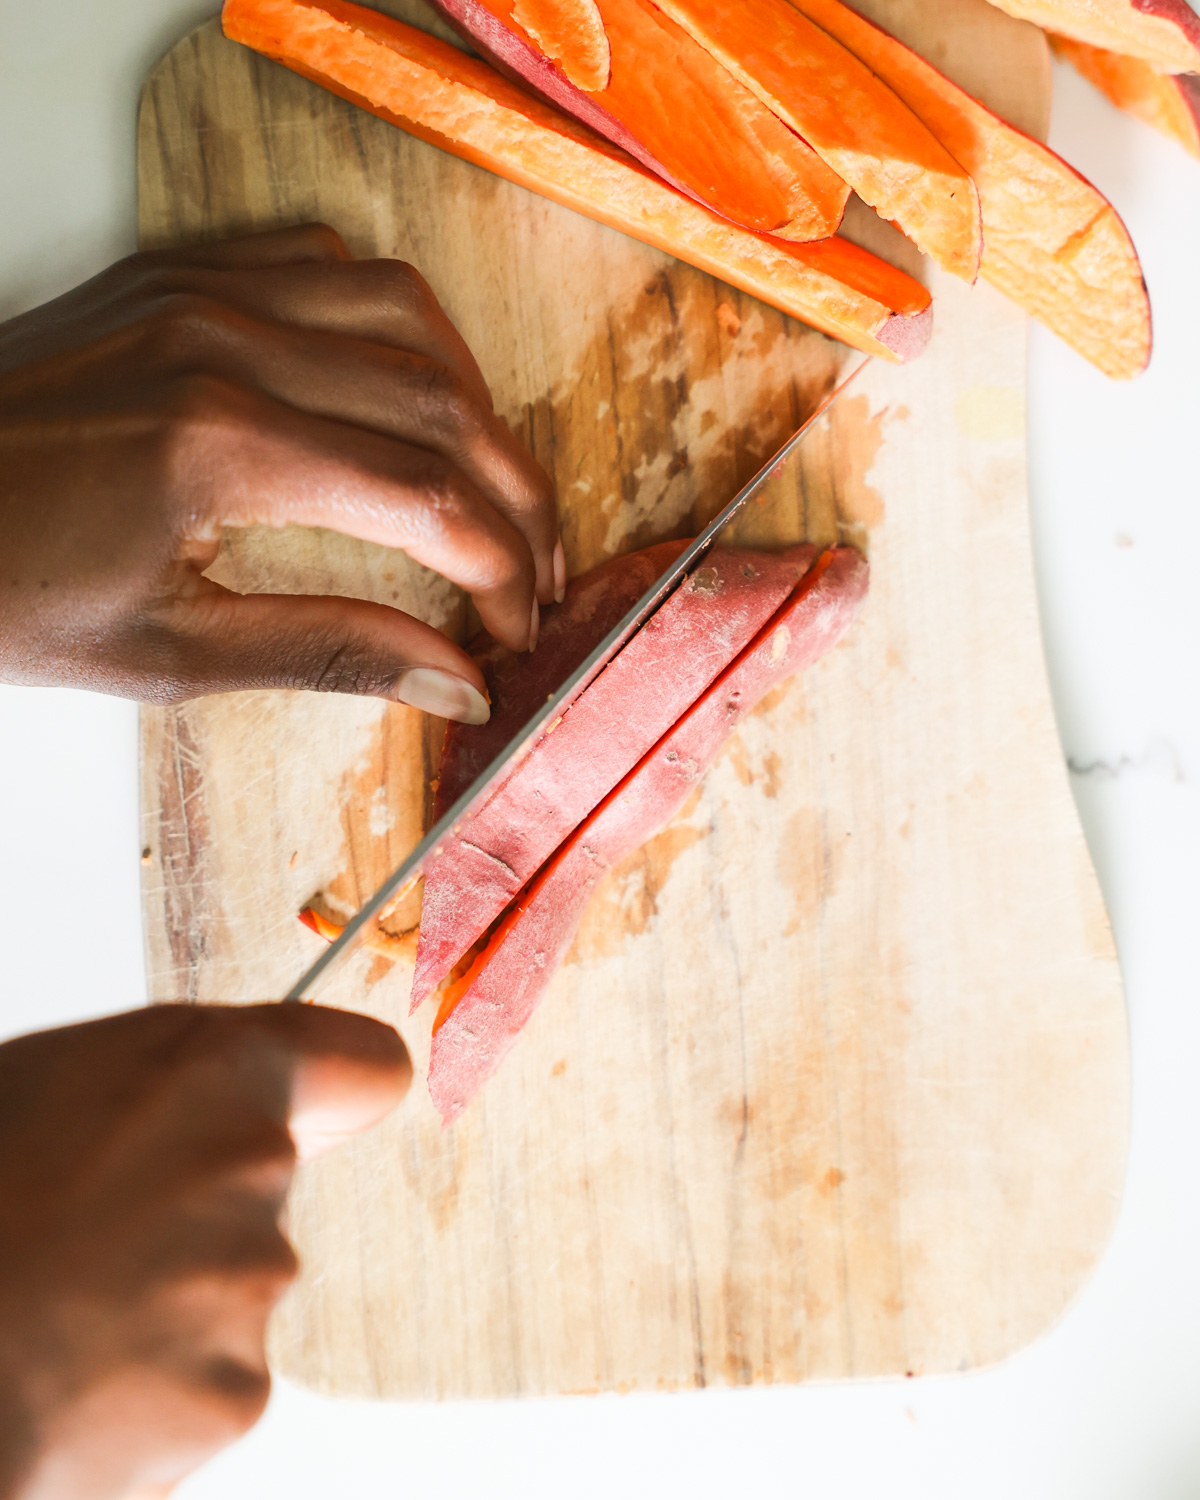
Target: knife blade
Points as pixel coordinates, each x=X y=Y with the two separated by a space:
x=410 y=869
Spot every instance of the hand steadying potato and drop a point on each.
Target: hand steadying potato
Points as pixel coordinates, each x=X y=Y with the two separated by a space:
x=266 y=380
x=144 y=1158
x=143 y=1164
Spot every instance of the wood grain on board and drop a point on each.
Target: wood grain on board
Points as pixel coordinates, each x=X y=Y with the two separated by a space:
x=834 y=1081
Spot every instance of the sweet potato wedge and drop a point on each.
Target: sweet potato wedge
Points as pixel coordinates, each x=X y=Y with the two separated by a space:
x=1163 y=33
x=850 y=118
x=518 y=683
x=1170 y=102
x=1052 y=242
x=481 y=867
x=484 y=1012
x=464 y=106
x=571 y=34
x=733 y=155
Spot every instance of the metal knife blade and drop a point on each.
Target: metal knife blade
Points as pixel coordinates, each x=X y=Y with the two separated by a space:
x=411 y=868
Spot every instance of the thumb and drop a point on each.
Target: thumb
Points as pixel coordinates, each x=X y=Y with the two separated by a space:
x=348 y=1071
x=229 y=642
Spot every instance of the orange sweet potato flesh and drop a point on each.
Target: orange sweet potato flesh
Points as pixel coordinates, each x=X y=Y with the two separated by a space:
x=1170 y=102
x=483 y=1012
x=464 y=106
x=571 y=33
x=1163 y=33
x=1051 y=241
x=850 y=118
x=733 y=154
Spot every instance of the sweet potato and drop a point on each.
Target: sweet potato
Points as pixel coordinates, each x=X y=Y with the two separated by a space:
x=1170 y=102
x=733 y=155
x=1163 y=33
x=1052 y=242
x=464 y=106
x=473 y=876
x=850 y=118
x=485 y=1011
x=571 y=34
x=518 y=684
x=392 y=946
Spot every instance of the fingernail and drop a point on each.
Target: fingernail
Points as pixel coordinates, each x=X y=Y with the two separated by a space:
x=535 y=624
x=443 y=694
x=560 y=573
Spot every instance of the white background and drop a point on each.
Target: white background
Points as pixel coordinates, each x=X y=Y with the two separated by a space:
x=1108 y=1404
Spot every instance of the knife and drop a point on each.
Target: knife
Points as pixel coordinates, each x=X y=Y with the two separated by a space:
x=557 y=704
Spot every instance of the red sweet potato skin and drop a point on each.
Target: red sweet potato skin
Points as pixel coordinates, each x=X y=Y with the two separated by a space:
x=517 y=60
x=1189 y=88
x=519 y=684
x=516 y=971
x=1178 y=11
x=478 y=871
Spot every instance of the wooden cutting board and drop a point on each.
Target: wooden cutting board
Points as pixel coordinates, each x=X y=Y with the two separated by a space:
x=834 y=1082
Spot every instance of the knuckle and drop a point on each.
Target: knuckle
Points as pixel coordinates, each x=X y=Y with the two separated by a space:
x=167 y=675
x=144 y=264
x=278 y=1266
x=158 y=277
x=403 y=286
x=239 y=1391
x=342 y=667
x=200 y=419
x=448 y=401
x=183 y=324
x=324 y=240
x=443 y=488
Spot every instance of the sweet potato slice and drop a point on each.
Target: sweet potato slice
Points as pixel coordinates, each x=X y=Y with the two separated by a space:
x=482 y=866
x=1163 y=33
x=850 y=118
x=518 y=684
x=464 y=106
x=1051 y=241
x=571 y=34
x=484 y=1012
x=1168 y=101
x=734 y=154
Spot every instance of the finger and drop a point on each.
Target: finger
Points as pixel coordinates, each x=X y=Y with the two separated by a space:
x=349 y=1070
x=225 y=642
x=294 y=244
x=117 y=297
x=389 y=391
x=256 y=462
x=383 y=301
x=143 y=1427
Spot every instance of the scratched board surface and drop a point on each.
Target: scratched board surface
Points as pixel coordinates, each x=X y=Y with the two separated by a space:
x=834 y=1080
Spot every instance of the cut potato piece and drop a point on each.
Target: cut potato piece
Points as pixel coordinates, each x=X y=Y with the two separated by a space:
x=483 y=1012
x=571 y=34
x=480 y=868
x=1051 y=241
x=1164 y=33
x=851 y=119
x=519 y=682
x=464 y=106
x=733 y=155
x=1168 y=101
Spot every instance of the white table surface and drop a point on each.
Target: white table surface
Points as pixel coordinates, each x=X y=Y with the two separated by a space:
x=1108 y=1403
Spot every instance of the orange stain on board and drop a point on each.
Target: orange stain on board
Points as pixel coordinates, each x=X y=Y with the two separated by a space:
x=626 y=900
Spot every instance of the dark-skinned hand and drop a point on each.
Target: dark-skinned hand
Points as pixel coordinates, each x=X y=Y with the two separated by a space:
x=144 y=1160
x=258 y=381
